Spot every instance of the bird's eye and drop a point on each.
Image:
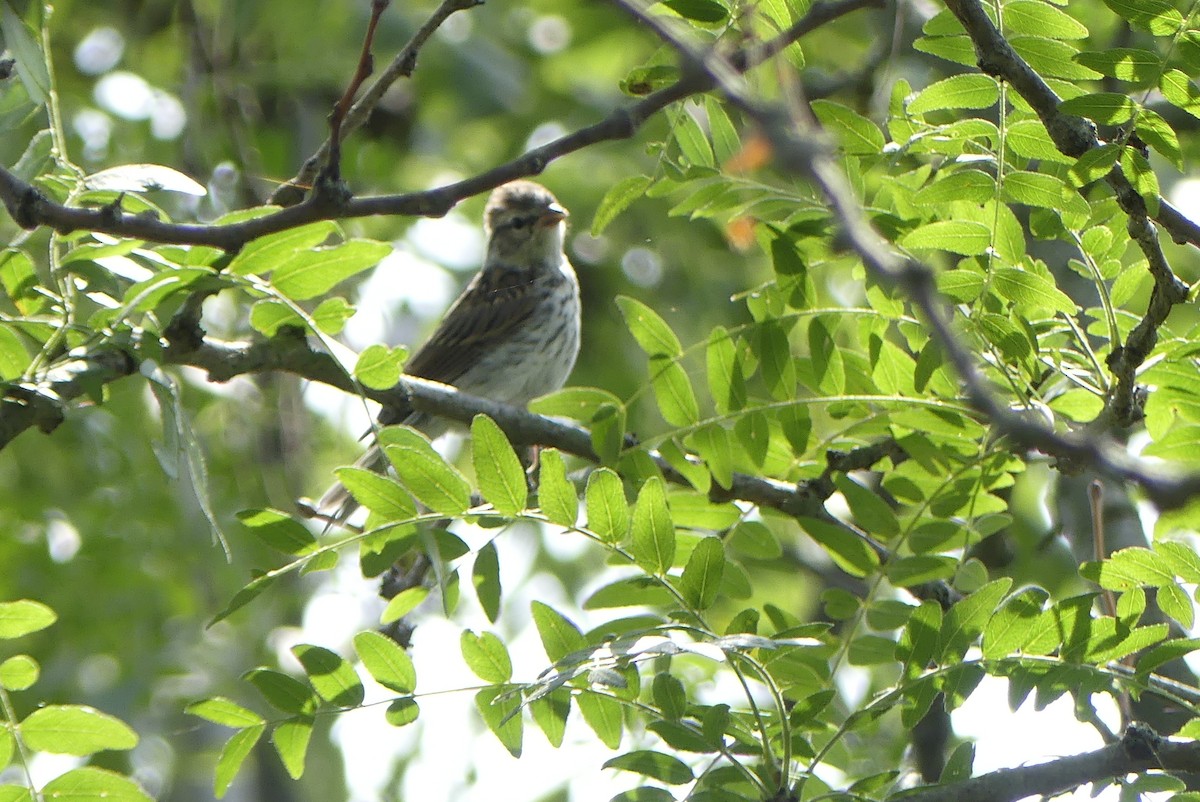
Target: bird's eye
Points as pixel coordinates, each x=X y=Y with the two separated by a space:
x=518 y=223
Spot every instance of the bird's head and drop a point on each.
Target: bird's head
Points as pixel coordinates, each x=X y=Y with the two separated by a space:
x=524 y=225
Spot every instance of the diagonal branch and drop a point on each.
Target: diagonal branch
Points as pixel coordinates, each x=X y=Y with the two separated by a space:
x=802 y=151
x=1075 y=136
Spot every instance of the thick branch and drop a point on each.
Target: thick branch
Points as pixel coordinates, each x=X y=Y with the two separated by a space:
x=1139 y=750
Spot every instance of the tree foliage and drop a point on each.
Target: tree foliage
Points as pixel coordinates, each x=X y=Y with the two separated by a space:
x=888 y=381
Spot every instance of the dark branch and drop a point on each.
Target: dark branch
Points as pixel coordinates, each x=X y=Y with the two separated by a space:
x=1139 y=750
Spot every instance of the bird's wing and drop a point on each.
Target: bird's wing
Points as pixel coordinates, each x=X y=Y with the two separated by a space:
x=496 y=303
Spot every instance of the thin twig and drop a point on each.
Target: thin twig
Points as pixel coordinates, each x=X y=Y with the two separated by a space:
x=332 y=171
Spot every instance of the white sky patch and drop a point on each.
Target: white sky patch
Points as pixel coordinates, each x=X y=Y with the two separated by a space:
x=1007 y=739
x=125 y=94
x=1185 y=195
x=452 y=241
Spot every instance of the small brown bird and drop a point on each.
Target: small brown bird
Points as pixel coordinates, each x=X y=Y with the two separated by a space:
x=511 y=336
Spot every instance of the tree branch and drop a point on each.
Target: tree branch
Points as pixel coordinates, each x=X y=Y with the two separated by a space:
x=801 y=150
x=402 y=66
x=31 y=209
x=1074 y=136
x=1139 y=750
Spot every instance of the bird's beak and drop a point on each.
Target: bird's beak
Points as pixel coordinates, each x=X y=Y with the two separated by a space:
x=552 y=216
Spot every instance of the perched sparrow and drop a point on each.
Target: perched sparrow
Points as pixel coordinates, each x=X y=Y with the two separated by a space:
x=511 y=336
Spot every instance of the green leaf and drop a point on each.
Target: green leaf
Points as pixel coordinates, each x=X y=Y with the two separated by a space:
x=225 y=712
x=649 y=329
x=1180 y=92
x=706 y=11
x=90 y=783
x=436 y=484
x=969 y=91
x=1156 y=132
x=233 y=754
x=307 y=274
x=702 y=575
x=1134 y=567
x=669 y=695
x=386 y=661
x=283 y=692
x=1123 y=63
x=1108 y=108
x=673 y=391
x=1156 y=16
x=556 y=494
x=380 y=494
x=1142 y=177
x=291 y=739
x=713 y=444
x=18 y=673
x=607 y=510
x=8 y=746
x=501 y=711
x=559 y=636
x=403 y=603
x=21 y=42
x=485 y=576
x=664 y=768
x=402 y=712
x=726 y=383
x=550 y=714
x=603 y=714
x=857 y=135
x=848 y=550
x=1037 y=18
x=1013 y=626
x=1031 y=290
x=693 y=144
x=618 y=198
x=1095 y=164
x=379 y=367
x=75 y=730
x=278 y=530
x=870 y=511
x=918 y=643
x=264 y=254
x=267 y=317
x=1174 y=602
x=486 y=655
x=1038 y=189
x=726 y=142
x=24 y=617
x=968 y=618
x=957 y=236
x=499 y=472
x=653 y=530
x=972 y=185
x=331 y=677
